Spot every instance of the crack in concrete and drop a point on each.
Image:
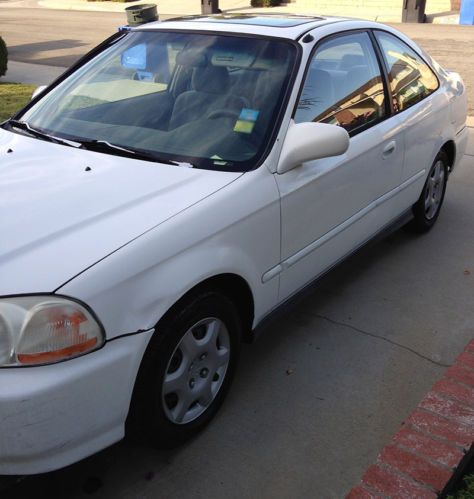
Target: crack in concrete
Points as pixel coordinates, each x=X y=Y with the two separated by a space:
x=373 y=335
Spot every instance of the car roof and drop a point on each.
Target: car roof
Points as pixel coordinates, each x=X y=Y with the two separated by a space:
x=290 y=26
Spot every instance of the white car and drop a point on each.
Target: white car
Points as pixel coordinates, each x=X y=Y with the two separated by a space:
x=167 y=195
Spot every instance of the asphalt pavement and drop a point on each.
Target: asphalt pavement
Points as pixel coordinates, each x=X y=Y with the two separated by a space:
x=318 y=396
x=60 y=37
x=54 y=37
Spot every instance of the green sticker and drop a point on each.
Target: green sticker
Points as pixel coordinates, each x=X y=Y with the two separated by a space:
x=242 y=126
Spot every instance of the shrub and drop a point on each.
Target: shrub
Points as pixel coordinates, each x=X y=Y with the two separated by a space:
x=3 y=57
x=466 y=490
x=264 y=3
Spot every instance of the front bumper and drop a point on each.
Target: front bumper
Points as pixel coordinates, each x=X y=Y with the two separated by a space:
x=52 y=416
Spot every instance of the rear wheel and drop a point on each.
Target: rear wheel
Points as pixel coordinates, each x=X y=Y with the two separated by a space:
x=427 y=208
x=186 y=371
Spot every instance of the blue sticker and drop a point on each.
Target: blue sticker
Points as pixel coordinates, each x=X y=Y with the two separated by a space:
x=249 y=114
x=135 y=57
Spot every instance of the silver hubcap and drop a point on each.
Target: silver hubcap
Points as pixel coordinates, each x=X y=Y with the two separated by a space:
x=196 y=370
x=434 y=190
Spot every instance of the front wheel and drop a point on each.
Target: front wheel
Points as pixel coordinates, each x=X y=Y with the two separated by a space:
x=427 y=208
x=186 y=371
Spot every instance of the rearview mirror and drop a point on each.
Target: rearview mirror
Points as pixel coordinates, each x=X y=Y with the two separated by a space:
x=38 y=90
x=310 y=141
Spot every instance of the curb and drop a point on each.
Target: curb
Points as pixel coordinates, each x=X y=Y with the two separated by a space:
x=432 y=444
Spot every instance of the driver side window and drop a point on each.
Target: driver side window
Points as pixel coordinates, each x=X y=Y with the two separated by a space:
x=343 y=85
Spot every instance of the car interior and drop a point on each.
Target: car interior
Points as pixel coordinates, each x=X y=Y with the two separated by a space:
x=228 y=89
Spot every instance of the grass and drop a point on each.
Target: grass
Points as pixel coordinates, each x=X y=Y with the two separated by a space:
x=13 y=96
x=468 y=491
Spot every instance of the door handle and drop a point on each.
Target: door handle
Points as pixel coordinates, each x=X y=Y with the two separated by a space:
x=389 y=149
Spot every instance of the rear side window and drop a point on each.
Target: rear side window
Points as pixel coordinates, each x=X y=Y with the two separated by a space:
x=411 y=79
x=343 y=85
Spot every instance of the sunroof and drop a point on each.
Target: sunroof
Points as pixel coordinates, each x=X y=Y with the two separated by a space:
x=273 y=21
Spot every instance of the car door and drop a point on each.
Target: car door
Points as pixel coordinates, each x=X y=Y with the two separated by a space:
x=331 y=206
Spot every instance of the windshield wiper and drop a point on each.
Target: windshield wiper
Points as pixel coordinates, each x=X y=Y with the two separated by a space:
x=107 y=147
x=93 y=145
x=23 y=125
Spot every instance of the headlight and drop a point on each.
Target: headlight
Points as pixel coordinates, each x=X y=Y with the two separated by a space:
x=45 y=329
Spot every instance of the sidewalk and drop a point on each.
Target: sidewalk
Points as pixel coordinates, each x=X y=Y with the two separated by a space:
x=172 y=8
x=191 y=7
x=36 y=74
x=166 y=7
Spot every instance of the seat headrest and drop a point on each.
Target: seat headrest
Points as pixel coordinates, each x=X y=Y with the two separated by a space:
x=359 y=72
x=349 y=60
x=317 y=96
x=211 y=79
x=193 y=58
x=319 y=77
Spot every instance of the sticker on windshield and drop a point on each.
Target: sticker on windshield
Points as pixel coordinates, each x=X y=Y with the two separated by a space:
x=246 y=121
x=249 y=114
x=242 y=126
x=135 y=57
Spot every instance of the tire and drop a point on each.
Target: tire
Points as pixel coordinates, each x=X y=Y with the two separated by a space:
x=186 y=371
x=427 y=208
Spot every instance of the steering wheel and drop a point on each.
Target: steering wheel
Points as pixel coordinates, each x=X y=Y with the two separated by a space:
x=223 y=113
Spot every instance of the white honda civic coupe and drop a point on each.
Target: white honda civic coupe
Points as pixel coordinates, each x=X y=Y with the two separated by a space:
x=166 y=196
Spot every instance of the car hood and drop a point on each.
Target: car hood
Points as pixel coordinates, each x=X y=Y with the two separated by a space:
x=63 y=209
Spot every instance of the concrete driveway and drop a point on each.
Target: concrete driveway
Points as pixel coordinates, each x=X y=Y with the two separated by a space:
x=319 y=394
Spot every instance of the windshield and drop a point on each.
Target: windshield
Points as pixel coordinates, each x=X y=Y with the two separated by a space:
x=208 y=100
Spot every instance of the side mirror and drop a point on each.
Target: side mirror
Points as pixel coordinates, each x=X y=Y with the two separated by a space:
x=310 y=141
x=39 y=90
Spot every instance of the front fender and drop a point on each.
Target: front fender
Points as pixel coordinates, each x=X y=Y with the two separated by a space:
x=236 y=230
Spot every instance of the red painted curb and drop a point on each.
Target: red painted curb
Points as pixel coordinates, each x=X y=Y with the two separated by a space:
x=422 y=457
